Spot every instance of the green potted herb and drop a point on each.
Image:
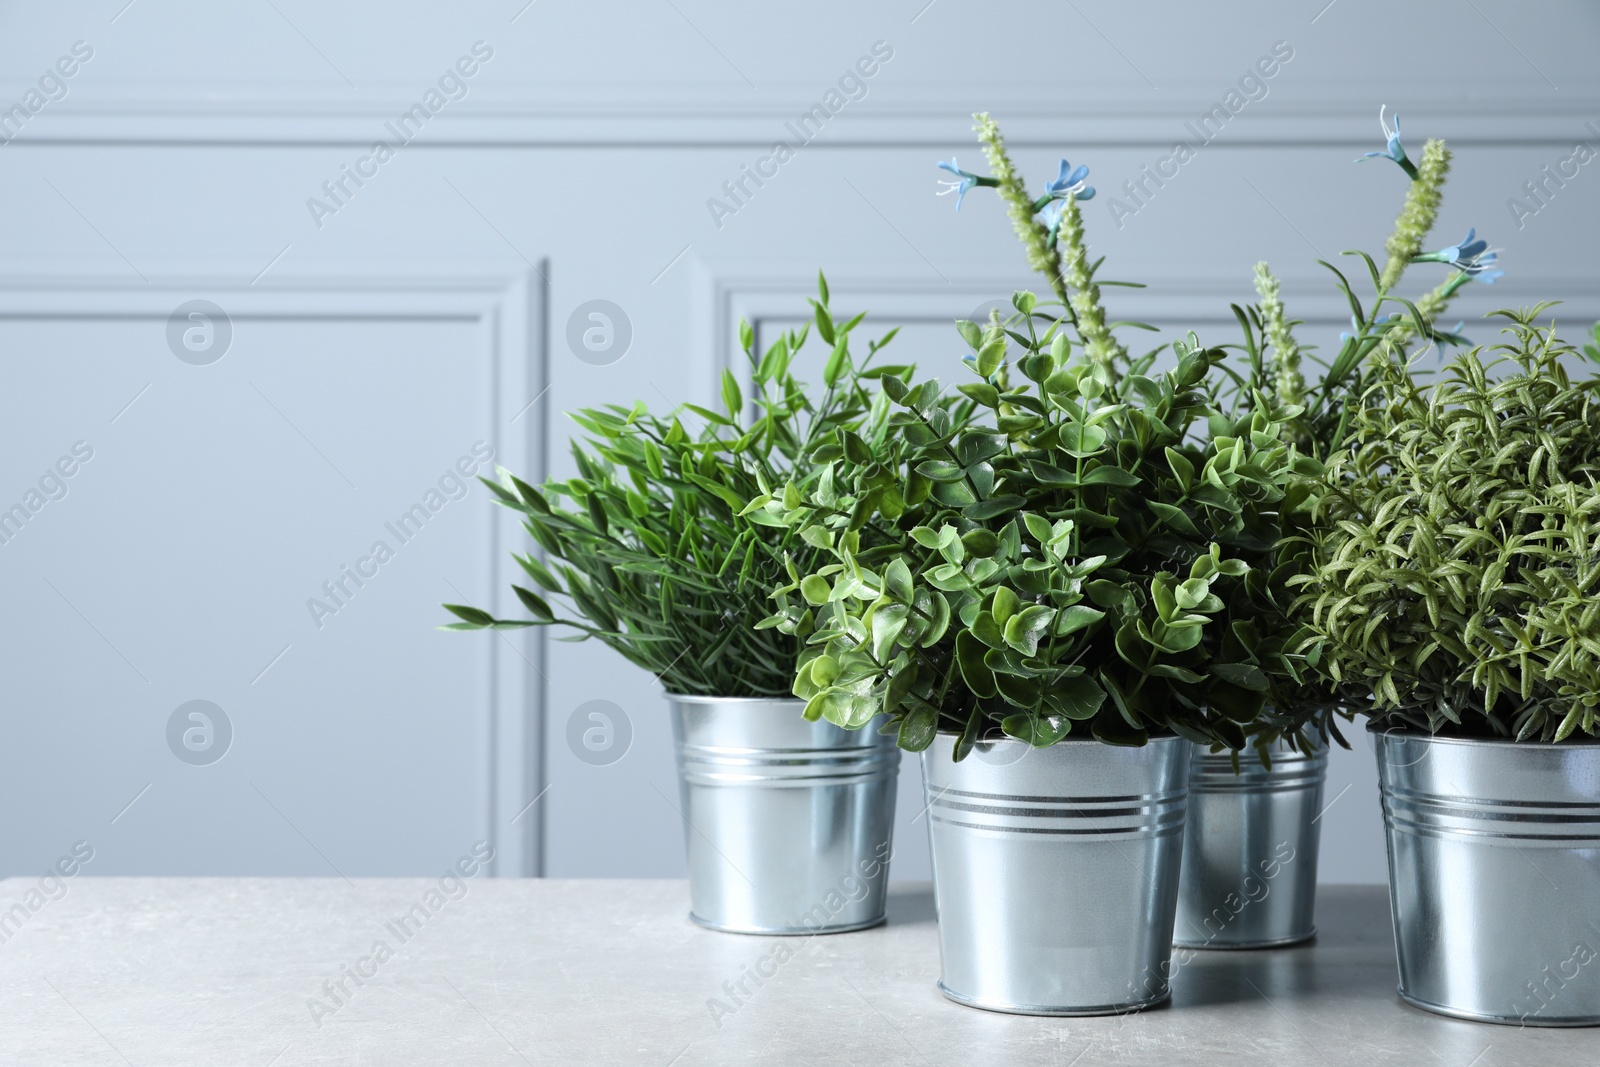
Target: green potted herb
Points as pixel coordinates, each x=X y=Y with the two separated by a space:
x=659 y=561
x=1250 y=852
x=1030 y=584
x=1456 y=577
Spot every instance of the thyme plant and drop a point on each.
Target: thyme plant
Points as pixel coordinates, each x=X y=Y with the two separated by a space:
x=655 y=558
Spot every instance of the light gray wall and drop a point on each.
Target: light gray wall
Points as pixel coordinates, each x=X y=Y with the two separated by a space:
x=371 y=352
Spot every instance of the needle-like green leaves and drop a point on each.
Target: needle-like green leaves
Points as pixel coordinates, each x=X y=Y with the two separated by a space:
x=1457 y=563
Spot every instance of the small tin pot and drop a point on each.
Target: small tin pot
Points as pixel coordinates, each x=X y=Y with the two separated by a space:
x=788 y=823
x=1494 y=875
x=1055 y=872
x=1250 y=849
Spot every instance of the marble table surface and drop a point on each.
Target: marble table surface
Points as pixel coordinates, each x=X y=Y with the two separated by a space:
x=264 y=973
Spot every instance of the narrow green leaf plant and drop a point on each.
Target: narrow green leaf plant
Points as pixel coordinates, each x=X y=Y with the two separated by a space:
x=655 y=548
x=1456 y=574
x=1321 y=404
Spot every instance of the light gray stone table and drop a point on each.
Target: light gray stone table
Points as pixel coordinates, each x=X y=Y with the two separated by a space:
x=239 y=972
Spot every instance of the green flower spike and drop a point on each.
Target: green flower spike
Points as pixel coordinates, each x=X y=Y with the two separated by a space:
x=1417 y=217
x=1065 y=263
x=1286 y=377
x=1033 y=234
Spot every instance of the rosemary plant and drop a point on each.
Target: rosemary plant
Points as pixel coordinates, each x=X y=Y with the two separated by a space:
x=655 y=558
x=1455 y=573
x=1318 y=414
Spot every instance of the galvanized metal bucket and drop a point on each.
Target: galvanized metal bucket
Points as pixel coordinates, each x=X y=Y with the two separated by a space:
x=1494 y=875
x=1250 y=849
x=788 y=823
x=1055 y=872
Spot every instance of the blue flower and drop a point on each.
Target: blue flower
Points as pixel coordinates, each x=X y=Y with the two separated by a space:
x=1070 y=182
x=1395 y=150
x=963 y=182
x=1471 y=257
x=1452 y=336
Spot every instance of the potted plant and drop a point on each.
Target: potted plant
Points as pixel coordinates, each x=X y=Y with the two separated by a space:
x=787 y=821
x=1455 y=576
x=1250 y=853
x=1029 y=581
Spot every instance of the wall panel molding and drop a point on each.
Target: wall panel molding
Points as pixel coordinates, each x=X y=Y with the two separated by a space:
x=508 y=312
x=903 y=115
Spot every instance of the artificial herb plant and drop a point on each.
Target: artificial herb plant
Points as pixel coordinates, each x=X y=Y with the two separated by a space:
x=1055 y=554
x=1381 y=332
x=655 y=557
x=1455 y=570
x=1317 y=404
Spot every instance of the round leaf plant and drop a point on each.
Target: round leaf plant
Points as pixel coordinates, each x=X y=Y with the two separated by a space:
x=1057 y=559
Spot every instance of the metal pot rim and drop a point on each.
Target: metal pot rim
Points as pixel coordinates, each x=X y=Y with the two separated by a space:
x=685 y=698
x=1412 y=733
x=1068 y=740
